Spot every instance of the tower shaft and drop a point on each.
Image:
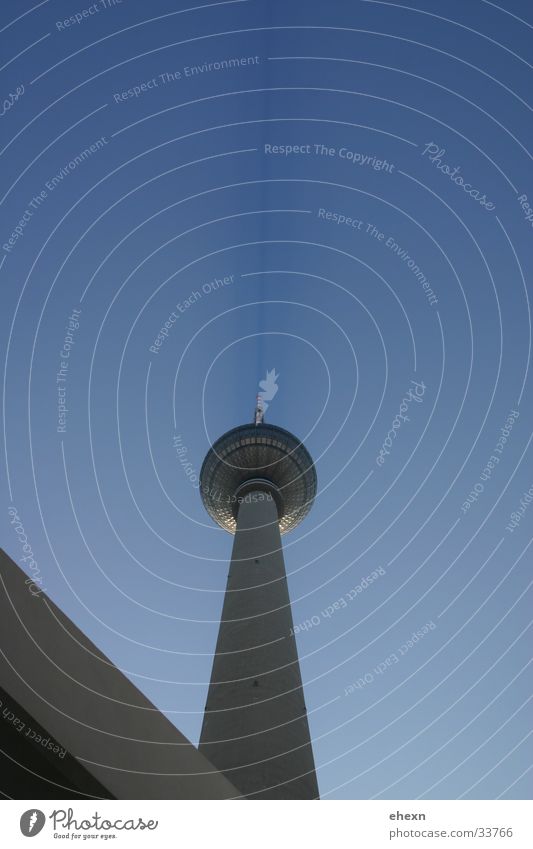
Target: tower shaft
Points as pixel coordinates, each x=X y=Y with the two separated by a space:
x=255 y=727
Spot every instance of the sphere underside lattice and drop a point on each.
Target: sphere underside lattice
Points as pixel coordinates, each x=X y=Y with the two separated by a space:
x=269 y=456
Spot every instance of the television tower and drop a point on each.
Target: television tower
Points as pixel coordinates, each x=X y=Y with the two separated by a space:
x=258 y=481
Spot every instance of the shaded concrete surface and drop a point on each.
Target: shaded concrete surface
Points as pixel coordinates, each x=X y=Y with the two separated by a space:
x=116 y=743
x=255 y=727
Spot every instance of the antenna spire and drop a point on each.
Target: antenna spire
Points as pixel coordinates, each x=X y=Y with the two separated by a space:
x=259 y=411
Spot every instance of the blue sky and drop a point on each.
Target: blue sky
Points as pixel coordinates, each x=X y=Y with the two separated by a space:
x=293 y=207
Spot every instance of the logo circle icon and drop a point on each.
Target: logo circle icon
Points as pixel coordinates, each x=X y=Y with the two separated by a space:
x=32 y=822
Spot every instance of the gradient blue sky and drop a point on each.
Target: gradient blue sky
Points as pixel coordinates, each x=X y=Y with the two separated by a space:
x=181 y=193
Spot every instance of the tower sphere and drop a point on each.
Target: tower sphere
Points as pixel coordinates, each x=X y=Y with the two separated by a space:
x=258 y=458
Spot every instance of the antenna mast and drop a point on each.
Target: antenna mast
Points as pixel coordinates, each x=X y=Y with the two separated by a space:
x=259 y=411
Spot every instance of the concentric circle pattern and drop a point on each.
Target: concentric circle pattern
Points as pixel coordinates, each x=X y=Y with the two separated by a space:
x=329 y=204
x=252 y=452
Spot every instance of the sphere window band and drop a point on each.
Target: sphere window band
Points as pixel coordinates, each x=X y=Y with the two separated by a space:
x=265 y=452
